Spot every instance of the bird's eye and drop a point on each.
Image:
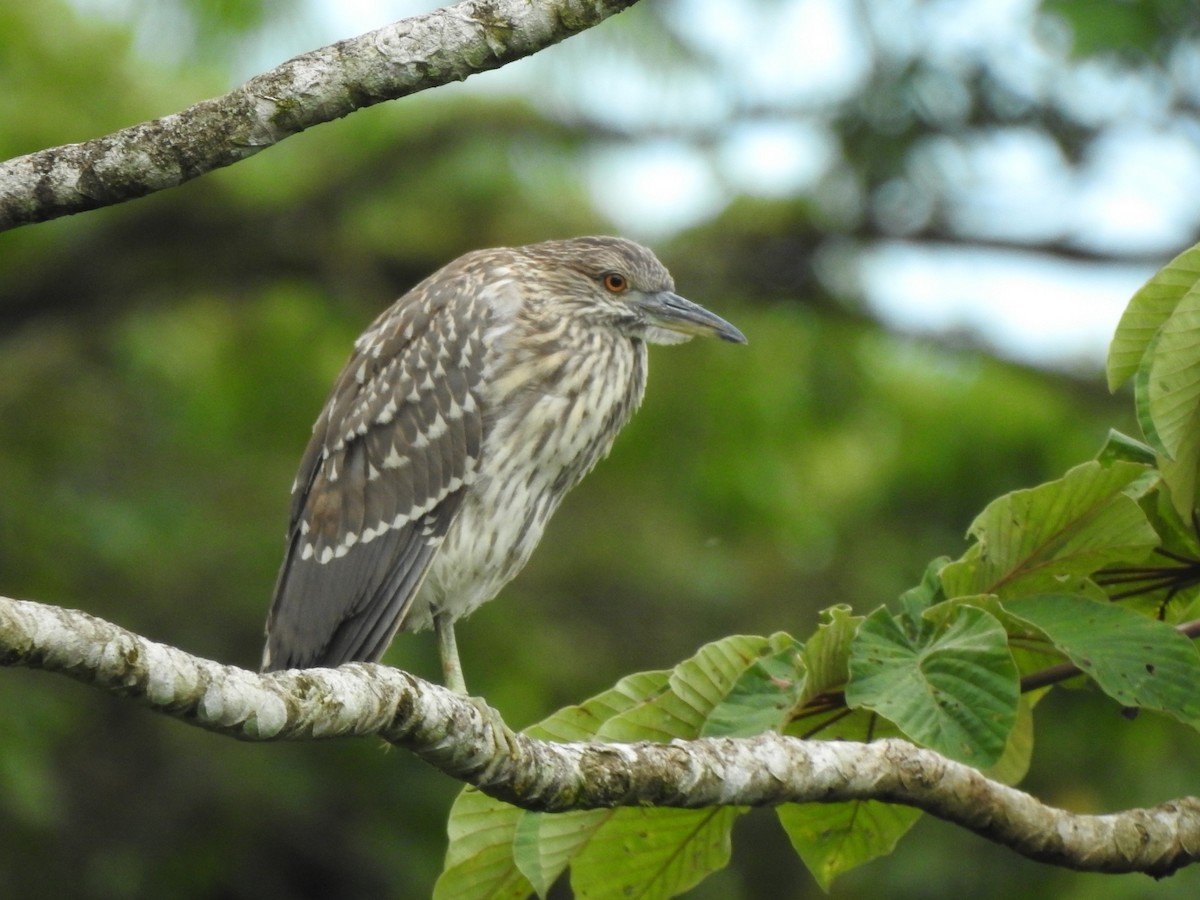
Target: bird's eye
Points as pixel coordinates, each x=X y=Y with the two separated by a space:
x=614 y=283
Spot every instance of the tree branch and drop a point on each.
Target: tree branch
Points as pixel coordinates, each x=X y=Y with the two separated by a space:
x=468 y=740
x=408 y=56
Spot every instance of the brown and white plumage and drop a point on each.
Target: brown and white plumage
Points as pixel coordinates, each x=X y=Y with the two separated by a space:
x=465 y=413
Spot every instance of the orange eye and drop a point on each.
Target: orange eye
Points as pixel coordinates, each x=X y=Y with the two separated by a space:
x=614 y=283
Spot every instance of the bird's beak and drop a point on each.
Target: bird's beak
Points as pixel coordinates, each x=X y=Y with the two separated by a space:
x=674 y=313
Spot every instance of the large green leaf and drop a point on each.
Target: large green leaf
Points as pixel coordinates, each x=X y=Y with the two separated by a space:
x=916 y=600
x=821 y=710
x=833 y=838
x=952 y=687
x=1180 y=469
x=775 y=688
x=653 y=853
x=696 y=687
x=583 y=721
x=1182 y=474
x=1141 y=399
x=544 y=844
x=1136 y=660
x=1147 y=312
x=763 y=696
x=1030 y=648
x=1013 y=763
x=496 y=848
x=1173 y=385
x=1158 y=341
x=826 y=656
x=481 y=859
x=1030 y=540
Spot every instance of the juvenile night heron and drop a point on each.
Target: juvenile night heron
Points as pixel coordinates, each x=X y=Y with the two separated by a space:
x=466 y=412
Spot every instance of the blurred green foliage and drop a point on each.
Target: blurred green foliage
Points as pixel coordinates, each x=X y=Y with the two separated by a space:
x=160 y=367
x=1120 y=26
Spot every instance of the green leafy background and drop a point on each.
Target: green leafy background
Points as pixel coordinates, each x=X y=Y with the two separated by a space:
x=161 y=364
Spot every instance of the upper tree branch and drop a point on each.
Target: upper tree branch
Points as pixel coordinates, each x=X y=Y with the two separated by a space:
x=400 y=59
x=468 y=740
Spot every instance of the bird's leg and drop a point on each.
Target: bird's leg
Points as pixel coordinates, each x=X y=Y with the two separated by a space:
x=452 y=673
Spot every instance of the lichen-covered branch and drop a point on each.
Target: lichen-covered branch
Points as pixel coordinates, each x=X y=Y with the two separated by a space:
x=402 y=58
x=468 y=740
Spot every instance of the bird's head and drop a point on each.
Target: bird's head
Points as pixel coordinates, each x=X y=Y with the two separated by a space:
x=620 y=283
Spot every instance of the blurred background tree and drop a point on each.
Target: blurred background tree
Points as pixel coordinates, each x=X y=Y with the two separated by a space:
x=854 y=185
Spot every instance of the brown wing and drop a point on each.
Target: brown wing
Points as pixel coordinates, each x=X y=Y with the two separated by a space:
x=383 y=477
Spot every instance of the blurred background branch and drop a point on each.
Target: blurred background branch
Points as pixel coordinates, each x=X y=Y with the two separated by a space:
x=412 y=55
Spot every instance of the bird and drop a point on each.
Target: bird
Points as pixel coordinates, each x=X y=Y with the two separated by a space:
x=465 y=413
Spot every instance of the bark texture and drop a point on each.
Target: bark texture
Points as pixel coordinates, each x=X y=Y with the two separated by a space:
x=411 y=55
x=468 y=740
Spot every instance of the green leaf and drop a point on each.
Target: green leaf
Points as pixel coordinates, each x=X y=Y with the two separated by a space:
x=583 y=721
x=1015 y=627
x=1013 y=764
x=826 y=656
x=544 y=844
x=1178 y=533
x=952 y=688
x=1030 y=647
x=1141 y=398
x=696 y=687
x=655 y=706
x=1122 y=447
x=653 y=853
x=826 y=660
x=825 y=835
x=1169 y=600
x=1030 y=541
x=481 y=858
x=1147 y=312
x=1167 y=386
x=1138 y=661
x=916 y=600
x=833 y=838
x=1111 y=29
x=1180 y=474
x=763 y=696
x=1190 y=610
x=1173 y=385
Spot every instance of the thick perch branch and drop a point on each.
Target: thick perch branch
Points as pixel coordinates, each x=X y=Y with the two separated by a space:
x=468 y=740
x=400 y=59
